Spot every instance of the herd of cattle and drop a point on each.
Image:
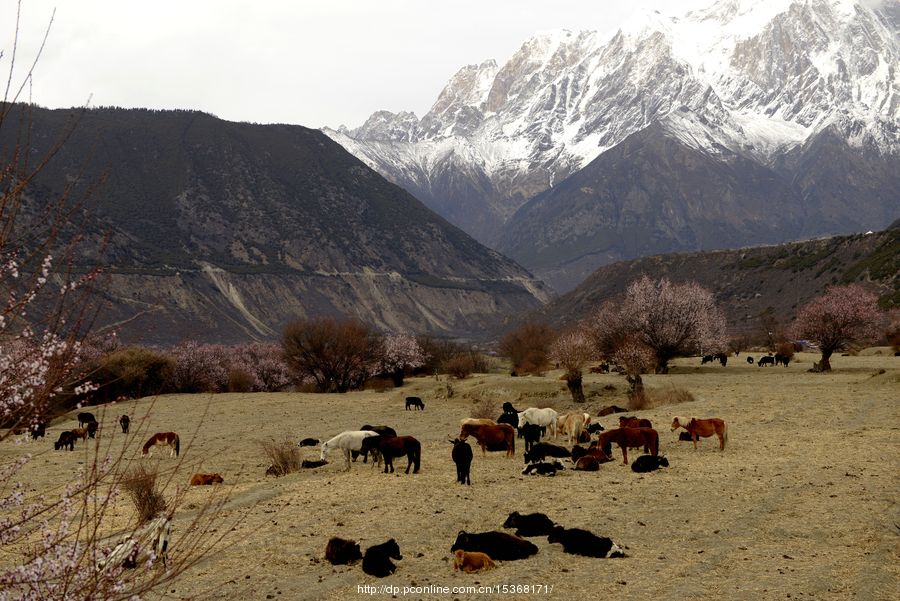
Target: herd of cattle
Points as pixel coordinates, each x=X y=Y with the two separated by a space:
x=472 y=551
x=475 y=552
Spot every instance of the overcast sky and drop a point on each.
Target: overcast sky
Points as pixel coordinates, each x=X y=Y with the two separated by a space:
x=306 y=62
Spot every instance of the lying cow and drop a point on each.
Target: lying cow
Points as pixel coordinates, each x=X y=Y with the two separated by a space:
x=472 y=561
x=542 y=450
x=498 y=545
x=340 y=551
x=377 y=559
x=648 y=463
x=582 y=542
x=206 y=479
x=543 y=468
x=531 y=524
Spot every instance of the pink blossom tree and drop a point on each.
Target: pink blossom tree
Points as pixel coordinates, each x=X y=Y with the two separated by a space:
x=572 y=350
x=844 y=314
x=672 y=319
x=399 y=353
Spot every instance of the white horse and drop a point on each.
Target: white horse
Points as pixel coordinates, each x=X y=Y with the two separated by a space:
x=351 y=440
x=540 y=417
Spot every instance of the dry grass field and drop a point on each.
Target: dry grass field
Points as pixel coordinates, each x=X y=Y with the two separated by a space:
x=802 y=504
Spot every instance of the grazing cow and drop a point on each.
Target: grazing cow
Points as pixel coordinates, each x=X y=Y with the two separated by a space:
x=532 y=524
x=497 y=436
x=206 y=479
x=768 y=360
x=79 y=433
x=648 y=463
x=340 y=551
x=531 y=433
x=702 y=427
x=310 y=464
x=721 y=358
x=542 y=450
x=499 y=545
x=631 y=437
x=750 y=360
x=382 y=430
x=66 y=439
x=543 y=469
x=414 y=402
x=471 y=562
x=308 y=442
x=782 y=359
x=542 y=417
x=391 y=447
x=38 y=430
x=572 y=424
x=125 y=422
x=587 y=463
x=706 y=359
x=349 y=440
x=462 y=457
x=611 y=409
x=634 y=422
x=508 y=408
x=377 y=560
x=582 y=542
x=162 y=438
x=594 y=428
x=92 y=429
x=84 y=418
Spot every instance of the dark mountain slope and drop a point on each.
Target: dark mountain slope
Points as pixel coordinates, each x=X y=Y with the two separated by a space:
x=223 y=231
x=751 y=281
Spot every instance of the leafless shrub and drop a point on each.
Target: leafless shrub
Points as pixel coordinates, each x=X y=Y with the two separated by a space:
x=528 y=348
x=284 y=456
x=459 y=366
x=379 y=384
x=651 y=398
x=484 y=409
x=142 y=487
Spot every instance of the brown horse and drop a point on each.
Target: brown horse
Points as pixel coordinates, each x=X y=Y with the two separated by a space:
x=390 y=447
x=497 y=435
x=631 y=437
x=702 y=427
x=629 y=421
x=162 y=438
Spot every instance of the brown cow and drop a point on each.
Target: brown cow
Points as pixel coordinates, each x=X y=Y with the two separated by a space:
x=204 y=479
x=702 y=427
x=631 y=437
x=472 y=561
x=629 y=421
x=79 y=433
x=491 y=436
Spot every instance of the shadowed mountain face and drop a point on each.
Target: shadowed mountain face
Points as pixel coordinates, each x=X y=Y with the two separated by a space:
x=225 y=231
x=749 y=283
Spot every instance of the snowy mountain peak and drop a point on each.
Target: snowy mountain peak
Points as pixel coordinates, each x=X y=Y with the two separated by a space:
x=754 y=78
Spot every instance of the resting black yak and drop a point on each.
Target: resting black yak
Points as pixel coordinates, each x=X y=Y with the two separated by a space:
x=497 y=545
x=532 y=524
x=581 y=542
x=377 y=560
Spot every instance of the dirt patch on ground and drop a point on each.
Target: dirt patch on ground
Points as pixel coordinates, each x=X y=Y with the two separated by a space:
x=803 y=502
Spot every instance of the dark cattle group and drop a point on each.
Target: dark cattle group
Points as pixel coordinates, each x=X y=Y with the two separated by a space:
x=496 y=545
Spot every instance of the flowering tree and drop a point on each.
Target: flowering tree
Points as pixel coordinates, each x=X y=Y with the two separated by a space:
x=635 y=358
x=842 y=315
x=672 y=319
x=398 y=353
x=572 y=350
x=337 y=355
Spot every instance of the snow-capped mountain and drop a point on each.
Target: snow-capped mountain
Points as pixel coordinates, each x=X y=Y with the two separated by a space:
x=758 y=80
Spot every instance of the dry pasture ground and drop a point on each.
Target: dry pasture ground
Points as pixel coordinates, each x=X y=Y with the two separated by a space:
x=802 y=503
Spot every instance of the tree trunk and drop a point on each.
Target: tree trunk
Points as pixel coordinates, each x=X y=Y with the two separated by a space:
x=662 y=367
x=825 y=364
x=397 y=377
x=574 y=384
